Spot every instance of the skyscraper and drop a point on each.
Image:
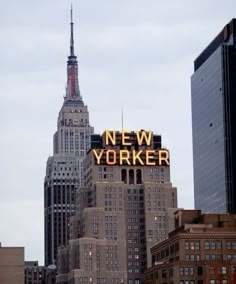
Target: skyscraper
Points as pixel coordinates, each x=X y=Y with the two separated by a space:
x=64 y=173
x=213 y=87
x=122 y=210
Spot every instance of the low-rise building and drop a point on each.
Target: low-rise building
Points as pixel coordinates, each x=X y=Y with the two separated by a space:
x=11 y=265
x=201 y=249
x=34 y=273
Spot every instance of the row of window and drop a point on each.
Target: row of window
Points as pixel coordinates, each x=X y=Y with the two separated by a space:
x=68 y=174
x=113 y=209
x=209 y=245
x=112 y=232
x=193 y=245
x=171 y=250
x=212 y=281
x=196 y=257
x=111 y=225
x=192 y=257
x=213 y=270
x=105 y=169
x=110 y=196
x=155 y=203
x=105 y=176
x=183 y=271
x=114 y=189
x=131 y=176
x=113 y=203
x=156 y=177
x=186 y=271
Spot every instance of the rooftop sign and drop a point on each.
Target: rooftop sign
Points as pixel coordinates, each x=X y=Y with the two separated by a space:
x=130 y=148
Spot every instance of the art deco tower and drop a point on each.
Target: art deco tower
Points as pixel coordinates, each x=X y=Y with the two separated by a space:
x=64 y=169
x=124 y=208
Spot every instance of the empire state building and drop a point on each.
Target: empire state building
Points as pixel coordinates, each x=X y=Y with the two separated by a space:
x=64 y=173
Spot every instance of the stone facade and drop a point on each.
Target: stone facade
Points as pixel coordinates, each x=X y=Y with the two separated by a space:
x=121 y=212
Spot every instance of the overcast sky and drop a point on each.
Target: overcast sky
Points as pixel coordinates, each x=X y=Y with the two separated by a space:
x=132 y=54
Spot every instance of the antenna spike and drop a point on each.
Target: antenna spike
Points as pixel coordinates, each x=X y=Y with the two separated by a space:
x=71 y=33
x=122 y=119
x=71 y=13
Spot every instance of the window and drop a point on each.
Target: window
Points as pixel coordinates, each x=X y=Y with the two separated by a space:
x=223 y=270
x=193 y=245
x=186 y=271
x=138 y=176
x=197 y=245
x=212 y=245
x=131 y=176
x=199 y=270
x=186 y=245
x=231 y=245
x=207 y=245
x=187 y=257
x=181 y=271
x=124 y=175
x=164 y=273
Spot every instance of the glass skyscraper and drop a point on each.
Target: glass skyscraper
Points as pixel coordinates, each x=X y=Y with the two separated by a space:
x=213 y=91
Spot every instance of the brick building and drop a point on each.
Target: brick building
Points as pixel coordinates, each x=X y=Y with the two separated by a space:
x=202 y=249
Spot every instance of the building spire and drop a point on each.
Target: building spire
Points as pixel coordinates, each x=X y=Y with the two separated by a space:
x=72 y=87
x=71 y=32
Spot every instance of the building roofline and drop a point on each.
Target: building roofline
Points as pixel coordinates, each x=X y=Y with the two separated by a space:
x=222 y=37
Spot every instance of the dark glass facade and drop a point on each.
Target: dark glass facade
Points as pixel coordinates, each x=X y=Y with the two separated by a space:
x=213 y=89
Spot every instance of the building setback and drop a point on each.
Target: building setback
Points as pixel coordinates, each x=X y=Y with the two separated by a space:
x=213 y=88
x=64 y=173
x=11 y=265
x=202 y=249
x=122 y=210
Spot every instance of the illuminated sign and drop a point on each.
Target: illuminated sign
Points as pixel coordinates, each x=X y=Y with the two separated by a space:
x=130 y=148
